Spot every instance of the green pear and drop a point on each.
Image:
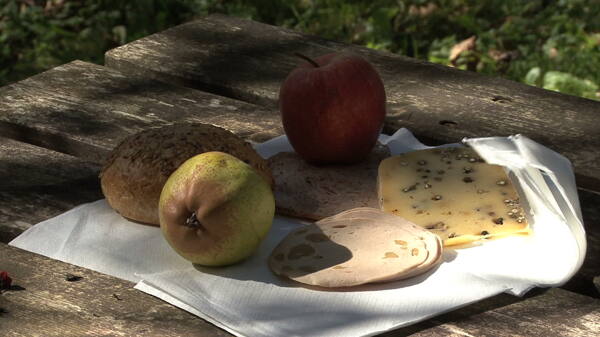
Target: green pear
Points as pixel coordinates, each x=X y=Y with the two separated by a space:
x=214 y=210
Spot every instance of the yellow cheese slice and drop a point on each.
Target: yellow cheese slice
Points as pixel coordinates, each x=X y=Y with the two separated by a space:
x=453 y=193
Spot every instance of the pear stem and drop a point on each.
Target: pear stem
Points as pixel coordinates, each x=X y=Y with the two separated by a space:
x=308 y=59
x=193 y=222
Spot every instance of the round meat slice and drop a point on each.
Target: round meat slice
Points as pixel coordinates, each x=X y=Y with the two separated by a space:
x=432 y=241
x=433 y=244
x=376 y=216
x=348 y=253
x=356 y=211
x=434 y=258
x=364 y=212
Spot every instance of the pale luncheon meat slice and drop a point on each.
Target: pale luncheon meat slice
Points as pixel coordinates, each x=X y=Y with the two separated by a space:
x=433 y=259
x=432 y=241
x=350 y=252
x=379 y=216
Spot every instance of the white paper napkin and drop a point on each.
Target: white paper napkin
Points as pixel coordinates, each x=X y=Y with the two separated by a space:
x=248 y=300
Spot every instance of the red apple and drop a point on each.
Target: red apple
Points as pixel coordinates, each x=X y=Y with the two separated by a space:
x=333 y=108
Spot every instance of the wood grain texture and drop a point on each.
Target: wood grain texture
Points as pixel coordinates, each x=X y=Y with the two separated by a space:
x=37 y=184
x=43 y=302
x=249 y=60
x=84 y=110
x=551 y=312
x=583 y=281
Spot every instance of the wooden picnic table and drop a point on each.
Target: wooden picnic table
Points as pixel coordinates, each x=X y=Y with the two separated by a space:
x=57 y=127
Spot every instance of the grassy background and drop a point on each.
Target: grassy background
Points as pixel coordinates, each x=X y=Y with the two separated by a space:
x=551 y=44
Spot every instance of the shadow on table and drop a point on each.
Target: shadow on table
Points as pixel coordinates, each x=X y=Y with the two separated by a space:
x=255 y=270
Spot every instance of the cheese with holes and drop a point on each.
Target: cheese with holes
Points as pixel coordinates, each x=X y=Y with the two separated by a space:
x=453 y=193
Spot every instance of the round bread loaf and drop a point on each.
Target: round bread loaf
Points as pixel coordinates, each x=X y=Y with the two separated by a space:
x=314 y=192
x=136 y=170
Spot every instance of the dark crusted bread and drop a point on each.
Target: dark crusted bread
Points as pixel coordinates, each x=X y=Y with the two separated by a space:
x=136 y=170
x=315 y=192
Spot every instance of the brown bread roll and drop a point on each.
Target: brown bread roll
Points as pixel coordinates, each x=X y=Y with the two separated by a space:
x=134 y=174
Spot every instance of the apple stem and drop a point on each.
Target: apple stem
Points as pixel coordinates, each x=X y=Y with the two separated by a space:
x=193 y=222
x=308 y=59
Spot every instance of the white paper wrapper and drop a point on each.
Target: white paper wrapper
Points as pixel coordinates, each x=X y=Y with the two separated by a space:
x=248 y=300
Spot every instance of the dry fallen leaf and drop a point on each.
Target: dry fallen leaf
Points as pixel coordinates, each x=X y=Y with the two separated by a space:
x=459 y=48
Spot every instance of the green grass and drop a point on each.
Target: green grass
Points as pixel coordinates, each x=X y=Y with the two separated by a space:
x=551 y=44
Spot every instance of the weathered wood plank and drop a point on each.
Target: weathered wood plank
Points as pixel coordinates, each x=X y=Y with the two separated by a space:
x=249 y=60
x=554 y=312
x=44 y=302
x=583 y=281
x=85 y=109
x=37 y=184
